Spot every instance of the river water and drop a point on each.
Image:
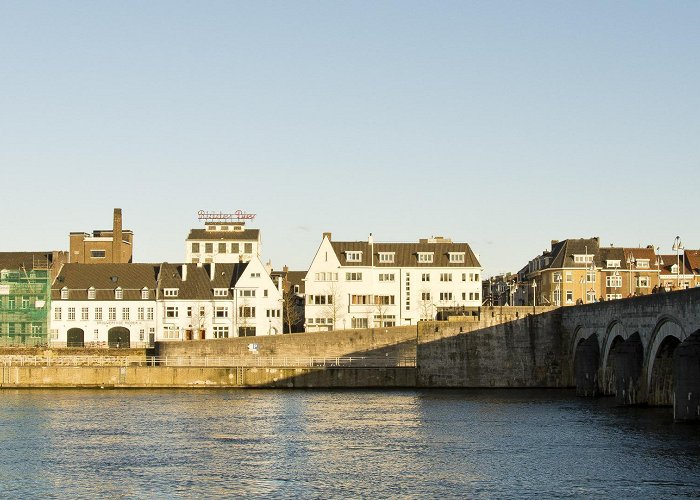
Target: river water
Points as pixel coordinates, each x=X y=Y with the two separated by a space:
x=339 y=444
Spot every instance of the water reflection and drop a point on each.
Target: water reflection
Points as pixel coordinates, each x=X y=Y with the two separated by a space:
x=337 y=444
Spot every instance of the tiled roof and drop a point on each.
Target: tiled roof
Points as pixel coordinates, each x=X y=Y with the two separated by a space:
x=203 y=234
x=563 y=252
x=23 y=260
x=405 y=254
x=105 y=278
x=199 y=284
x=692 y=259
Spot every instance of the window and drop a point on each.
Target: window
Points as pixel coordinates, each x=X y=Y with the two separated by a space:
x=142 y=335
x=353 y=256
x=445 y=296
x=140 y=313
x=220 y=332
x=208 y=247
x=149 y=313
x=612 y=263
x=425 y=277
x=590 y=296
x=590 y=276
x=456 y=257
x=556 y=277
x=246 y=293
x=97 y=254
x=126 y=313
x=246 y=331
x=445 y=276
x=273 y=313
x=71 y=314
x=569 y=277
x=171 y=312
x=248 y=247
x=91 y=293
x=569 y=296
x=360 y=299
x=325 y=277
x=112 y=313
x=170 y=292
x=642 y=263
x=118 y=293
x=220 y=292
x=387 y=277
x=221 y=312
x=64 y=293
x=386 y=257
x=170 y=332
x=57 y=314
x=464 y=276
x=359 y=323
x=246 y=311
x=25 y=302
x=583 y=259
x=254 y=275
x=222 y=247
x=425 y=257
x=613 y=281
x=84 y=315
x=144 y=293
x=195 y=247
x=98 y=314
x=353 y=276
x=384 y=300
x=235 y=248
x=643 y=281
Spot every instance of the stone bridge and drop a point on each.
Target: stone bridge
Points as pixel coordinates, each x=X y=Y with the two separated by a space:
x=642 y=350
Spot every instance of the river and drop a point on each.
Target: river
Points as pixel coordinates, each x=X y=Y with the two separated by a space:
x=339 y=444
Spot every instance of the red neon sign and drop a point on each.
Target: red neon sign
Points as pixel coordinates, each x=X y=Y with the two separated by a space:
x=221 y=216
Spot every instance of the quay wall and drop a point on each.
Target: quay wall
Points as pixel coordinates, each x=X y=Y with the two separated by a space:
x=201 y=377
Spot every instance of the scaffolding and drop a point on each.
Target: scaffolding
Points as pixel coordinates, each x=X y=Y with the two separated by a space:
x=25 y=302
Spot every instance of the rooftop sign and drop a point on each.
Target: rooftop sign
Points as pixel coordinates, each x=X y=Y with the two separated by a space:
x=221 y=216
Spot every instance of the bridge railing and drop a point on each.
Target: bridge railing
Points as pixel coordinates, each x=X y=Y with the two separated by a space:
x=210 y=361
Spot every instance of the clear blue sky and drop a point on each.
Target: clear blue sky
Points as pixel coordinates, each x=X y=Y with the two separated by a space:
x=502 y=124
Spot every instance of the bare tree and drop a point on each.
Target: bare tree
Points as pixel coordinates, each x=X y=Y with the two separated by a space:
x=293 y=309
x=333 y=307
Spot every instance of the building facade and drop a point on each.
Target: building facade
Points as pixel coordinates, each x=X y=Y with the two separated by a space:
x=113 y=246
x=222 y=242
x=364 y=284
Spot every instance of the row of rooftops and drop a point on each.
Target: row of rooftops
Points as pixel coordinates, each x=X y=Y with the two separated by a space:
x=586 y=252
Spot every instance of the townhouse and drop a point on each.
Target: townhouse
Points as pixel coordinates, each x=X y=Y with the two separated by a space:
x=364 y=284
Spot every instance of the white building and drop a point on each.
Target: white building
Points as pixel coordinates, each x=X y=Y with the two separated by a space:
x=222 y=242
x=206 y=301
x=96 y=305
x=133 y=305
x=363 y=284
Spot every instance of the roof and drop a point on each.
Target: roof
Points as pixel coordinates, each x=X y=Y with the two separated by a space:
x=198 y=283
x=24 y=260
x=405 y=254
x=203 y=234
x=563 y=252
x=105 y=278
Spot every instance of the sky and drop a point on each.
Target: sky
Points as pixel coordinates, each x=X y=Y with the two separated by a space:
x=501 y=124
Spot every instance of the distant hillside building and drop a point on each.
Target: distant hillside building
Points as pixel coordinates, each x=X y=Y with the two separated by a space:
x=113 y=246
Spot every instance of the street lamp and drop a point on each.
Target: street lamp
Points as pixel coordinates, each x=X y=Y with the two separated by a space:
x=630 y=261
x=534 y=293
x=678 y=246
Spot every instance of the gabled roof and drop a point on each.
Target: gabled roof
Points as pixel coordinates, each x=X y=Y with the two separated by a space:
x=198 y=283
x=203 y=234
x=405 y=254
x=563 y=252
x=692 y=259
x=105 y=278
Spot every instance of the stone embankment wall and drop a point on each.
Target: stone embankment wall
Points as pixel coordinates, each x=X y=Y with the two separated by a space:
x=195 y=377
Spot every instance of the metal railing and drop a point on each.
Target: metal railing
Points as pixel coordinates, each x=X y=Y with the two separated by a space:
x=211 y=361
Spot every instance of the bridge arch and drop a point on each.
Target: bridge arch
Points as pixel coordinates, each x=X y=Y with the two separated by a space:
x=667 y=335
x=586 y=366
x=615 y=335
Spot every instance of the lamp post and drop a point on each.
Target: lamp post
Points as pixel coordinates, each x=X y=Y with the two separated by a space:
x=534 y=293
x=630 y=261
x=678 y=246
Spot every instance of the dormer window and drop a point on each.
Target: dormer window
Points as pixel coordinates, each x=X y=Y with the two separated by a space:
x=91 y=293
x=642 y=263
x=64 y=293
x=386 y=257
x=425 y=257
x=145 y=293
x=220 y=292
x=170 y=292
x=614 y=264
x=355 y=256
x=456 y=257
x=118 y=293
x=674 y=269
x=583 y=258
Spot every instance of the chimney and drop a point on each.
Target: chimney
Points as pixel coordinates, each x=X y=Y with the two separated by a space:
x=285 y=269
x=213 y=270
x=327 y=235
x=117 y=236
x=279 y=284
x=184 y=272
x=554 y=242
